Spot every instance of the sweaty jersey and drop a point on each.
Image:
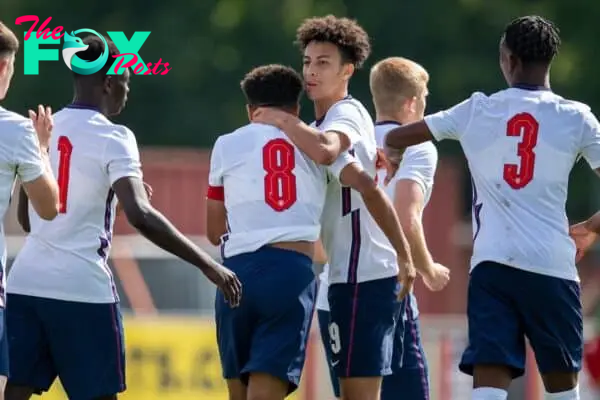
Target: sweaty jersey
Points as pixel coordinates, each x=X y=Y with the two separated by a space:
x=19 y=157
x=66 y=258
x=521 y=144
x=272 y=191
x=418 y=164
x=357 y=249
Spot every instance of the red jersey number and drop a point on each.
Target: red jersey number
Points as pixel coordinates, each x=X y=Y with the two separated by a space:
x=525 y=126
x=279 y=161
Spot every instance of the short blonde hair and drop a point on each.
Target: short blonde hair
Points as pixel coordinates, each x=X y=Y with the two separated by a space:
x=8 y=41
x=395 y=79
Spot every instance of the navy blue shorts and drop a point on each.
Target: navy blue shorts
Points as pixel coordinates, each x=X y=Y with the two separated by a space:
x=81 y=343
x=363 y=321
x=269 y=331
x=3 y=344
x=409 y=365
x=507 y=304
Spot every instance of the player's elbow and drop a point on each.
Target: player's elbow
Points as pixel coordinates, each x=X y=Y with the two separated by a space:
x=326 y=155
x=137 y=215
x=48 y=213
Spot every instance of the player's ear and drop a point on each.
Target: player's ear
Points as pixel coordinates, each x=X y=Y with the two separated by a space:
x=107 y=86
x=3 y=65
x=347 y=71
x=296 y=110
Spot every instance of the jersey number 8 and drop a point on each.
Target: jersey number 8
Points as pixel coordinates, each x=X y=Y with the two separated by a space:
x=527 y=127
x=279 y=161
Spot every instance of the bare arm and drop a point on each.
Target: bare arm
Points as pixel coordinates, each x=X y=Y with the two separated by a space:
x=23 y=210
x=151 y=224
x=409 y=203
x=407 y=135
x=379 y=206
x=216 y=220
x=321 y=147
x=43 y=192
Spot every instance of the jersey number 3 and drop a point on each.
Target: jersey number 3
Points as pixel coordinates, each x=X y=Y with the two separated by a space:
x=279 y=161
x=65 y=149
x=525 y=126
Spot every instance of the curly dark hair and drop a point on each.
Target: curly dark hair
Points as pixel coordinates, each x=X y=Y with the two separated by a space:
x=272 y=85
x=532 y=39
x=349 y=37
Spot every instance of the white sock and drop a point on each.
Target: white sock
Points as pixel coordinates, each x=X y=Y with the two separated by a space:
x=489 y=393
x=572 y=394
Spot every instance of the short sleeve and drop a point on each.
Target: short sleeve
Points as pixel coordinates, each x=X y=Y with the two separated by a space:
x=122 y=156
x=215 y=175
x=590 y=140
x=27 y=156
x=344 y=159
x=453 y=122
x=419 y=164
x=344 y=118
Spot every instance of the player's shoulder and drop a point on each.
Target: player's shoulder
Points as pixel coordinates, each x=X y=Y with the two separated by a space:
x=12 y=122
x=349 y=106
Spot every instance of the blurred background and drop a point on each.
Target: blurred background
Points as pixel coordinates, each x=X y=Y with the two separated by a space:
x=210 y=45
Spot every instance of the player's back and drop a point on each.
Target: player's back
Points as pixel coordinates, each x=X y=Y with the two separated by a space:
x=357 y=249
x=272 y=191
x=521 y=145
x=68 y=256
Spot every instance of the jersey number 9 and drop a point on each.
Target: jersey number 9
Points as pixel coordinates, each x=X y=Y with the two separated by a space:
x=279 y=161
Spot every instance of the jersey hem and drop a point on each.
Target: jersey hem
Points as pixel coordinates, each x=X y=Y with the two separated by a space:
x=383 y=275
x=62 y=297
x=534 y=270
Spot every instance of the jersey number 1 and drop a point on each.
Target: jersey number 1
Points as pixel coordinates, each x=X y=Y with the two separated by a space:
x=65 y=148
x=527 y=127
x=279 y=161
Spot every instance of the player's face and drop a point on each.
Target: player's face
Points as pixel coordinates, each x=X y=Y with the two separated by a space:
x=118 y=90
x=325 y=73
x=7 y=69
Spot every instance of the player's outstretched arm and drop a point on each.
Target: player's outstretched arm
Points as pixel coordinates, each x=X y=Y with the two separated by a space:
x=23 y=210
x=382 y=210
x=33 y=164
x=407 y=135
x=155 y=227
x=321 y=147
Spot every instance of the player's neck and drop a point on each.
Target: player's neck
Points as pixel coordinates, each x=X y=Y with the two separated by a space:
x=323 y=105
x=399 y=118
x=90 y=102
x=534 y=79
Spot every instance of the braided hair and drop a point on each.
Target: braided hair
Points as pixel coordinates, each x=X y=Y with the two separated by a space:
x=532 y=39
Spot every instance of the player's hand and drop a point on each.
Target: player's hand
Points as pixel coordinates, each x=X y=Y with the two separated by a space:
x=393 y=157
x=227 y=282
x=271 y=116
x=584 y=238
x=43 y=124
x=406 y=277
x=437 y=277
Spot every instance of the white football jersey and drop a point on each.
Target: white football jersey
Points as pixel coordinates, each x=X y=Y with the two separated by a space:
x=418 y=164
x=521 y=145
x=272 y=191
x=357 y=249
x=66 y=258
x=19 y=156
